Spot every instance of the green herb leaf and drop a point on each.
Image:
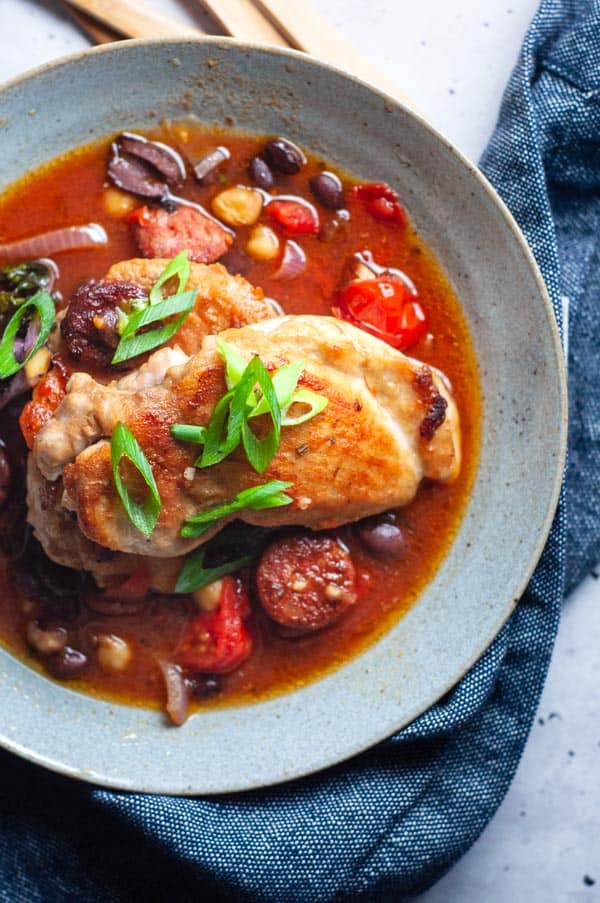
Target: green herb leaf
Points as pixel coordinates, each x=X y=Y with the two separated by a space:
x=316 y=403
x=266 y=495
x=123 y=444
x=132 y=344
x=41 y=303
x=179 y=267
x=194 y=575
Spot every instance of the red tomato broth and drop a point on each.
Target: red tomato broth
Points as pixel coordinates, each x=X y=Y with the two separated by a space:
x=70 y=191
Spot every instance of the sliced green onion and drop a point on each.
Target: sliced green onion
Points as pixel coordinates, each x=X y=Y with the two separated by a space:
x=194 y=575
x=222 y=436
x=132 y=344
x=260 y=452
x=188 y=433
x=252 y=392
x=123 y=444
x=284 y=381
x=179 y=267
x=44 y=305
x=316 y=403
x=267 y=495
x=235 y=364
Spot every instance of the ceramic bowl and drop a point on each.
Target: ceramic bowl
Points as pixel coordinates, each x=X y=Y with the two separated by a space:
x=129 y=86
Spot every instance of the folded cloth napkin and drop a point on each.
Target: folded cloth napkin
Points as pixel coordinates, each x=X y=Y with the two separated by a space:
x=391 y=821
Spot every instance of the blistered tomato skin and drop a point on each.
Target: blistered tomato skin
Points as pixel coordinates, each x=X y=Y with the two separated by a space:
x=47 y=396
x=294 y=217
x=385 y=308
x=218 y=641
x=381 y=201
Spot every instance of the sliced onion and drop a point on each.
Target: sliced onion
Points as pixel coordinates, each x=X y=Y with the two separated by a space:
x=53 y=271
x=275 y=306
x=13 y=387
x=293 y=262
x=69 y=238
x=178 y=694
x=364 y=267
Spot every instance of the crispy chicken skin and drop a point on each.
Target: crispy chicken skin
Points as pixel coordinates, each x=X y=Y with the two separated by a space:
x=365 y=453
x=223 y=301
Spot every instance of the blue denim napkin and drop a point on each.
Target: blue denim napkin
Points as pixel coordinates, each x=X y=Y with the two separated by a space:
x=391 y=821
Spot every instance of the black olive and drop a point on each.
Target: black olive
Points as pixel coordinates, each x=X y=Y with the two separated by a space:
x=68 y=664
x=327 y=189
x=144 y=167
x=284 y=156
x=203 y=685
x=382 y=535
x=260 y=173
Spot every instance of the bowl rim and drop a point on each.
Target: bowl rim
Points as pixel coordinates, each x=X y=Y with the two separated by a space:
x=123 y=47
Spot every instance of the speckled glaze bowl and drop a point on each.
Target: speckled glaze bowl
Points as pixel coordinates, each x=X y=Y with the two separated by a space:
x=265 y=90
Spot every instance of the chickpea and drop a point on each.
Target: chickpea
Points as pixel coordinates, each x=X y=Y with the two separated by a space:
x=38 y=365
x=114 y=653
x=207 y=598
x=239 y=206
x=118 y=203
x=46 y=642
x=263 y=243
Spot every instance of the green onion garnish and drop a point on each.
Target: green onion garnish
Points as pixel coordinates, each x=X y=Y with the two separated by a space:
x=252 y=393
x=266 y=495
x=315 y=402
x=44 y=305
x=260 y=452
x=132 y=344
x=186 y=433
x=156 y=308
x=123 y=444
x=194 y=575
x=179 y=268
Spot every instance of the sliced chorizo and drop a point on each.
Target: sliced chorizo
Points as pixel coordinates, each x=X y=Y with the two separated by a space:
x=159 y=233
x=306 y=581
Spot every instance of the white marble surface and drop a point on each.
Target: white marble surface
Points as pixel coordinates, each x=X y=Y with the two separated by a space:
x=454 y=58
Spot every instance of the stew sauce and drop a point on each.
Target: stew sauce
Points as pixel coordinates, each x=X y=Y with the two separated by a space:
x=72 y=190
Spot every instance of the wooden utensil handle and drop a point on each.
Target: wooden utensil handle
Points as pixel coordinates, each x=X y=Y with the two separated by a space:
x=305 y=29
x=241 y=19
x=134 y=19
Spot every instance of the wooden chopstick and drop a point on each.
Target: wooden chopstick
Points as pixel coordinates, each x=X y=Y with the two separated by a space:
x=100 y=34
x=241 y=19
x=133 y=19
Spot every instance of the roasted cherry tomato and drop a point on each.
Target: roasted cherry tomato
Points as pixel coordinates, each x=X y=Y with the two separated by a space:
x=143 y=216
x=384 y=307
x=46 y=397
x=218 y=641
x=294 y=217
x=381 y=201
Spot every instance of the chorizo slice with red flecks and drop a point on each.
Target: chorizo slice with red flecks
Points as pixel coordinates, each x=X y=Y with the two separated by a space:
x=160 y=233
x=306 y=581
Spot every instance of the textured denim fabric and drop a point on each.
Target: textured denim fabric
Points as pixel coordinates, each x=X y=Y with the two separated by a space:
x=391 y=821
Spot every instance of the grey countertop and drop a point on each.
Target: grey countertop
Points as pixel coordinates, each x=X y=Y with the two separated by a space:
x=453 y=59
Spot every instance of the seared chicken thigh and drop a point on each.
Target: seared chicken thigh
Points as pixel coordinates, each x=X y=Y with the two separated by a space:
x=223 y=301
x=389 y=422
